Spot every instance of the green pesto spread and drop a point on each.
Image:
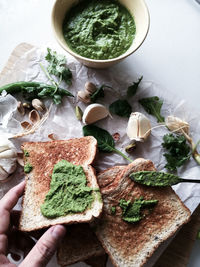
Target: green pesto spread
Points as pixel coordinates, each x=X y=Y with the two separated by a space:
x=113 y=210
x=153 y=178
x=68 y=192
x=26 y=153
x=99 y=29
x=28 y=167
x=132 y=211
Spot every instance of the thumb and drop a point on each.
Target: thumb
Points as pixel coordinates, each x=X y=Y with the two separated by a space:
x=45 y=247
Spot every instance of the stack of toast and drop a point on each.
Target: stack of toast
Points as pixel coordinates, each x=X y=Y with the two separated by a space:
x=92 y=235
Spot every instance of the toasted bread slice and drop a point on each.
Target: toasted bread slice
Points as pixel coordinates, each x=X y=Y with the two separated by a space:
x=43 y=156
x=79 y=244
x=131 y=244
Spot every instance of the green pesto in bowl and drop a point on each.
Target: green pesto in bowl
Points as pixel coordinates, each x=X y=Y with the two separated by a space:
x=99 y=29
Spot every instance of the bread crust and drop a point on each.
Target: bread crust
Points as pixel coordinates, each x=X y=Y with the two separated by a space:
x=43 y=156
x=132 y=244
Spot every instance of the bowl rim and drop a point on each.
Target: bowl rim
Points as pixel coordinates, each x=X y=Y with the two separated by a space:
x=76 y=55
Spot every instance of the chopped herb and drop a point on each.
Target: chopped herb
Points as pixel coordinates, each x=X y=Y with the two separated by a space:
x=153 y=106
x=132 y=211
x=104 y=140
x=113 y=210
x=28 y=167
x=26 y=153
x=178 y=151
x=132 y=89
x=121 y=108
x=57 y=66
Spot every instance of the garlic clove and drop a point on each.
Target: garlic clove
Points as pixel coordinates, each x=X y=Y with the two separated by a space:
x=38 y=105
x=139 y=127
x=7 y=154
x=177 y=125
x=3 y=174
x=90 y=87
x=84 y=97
x=34 y=116
x=94 y=112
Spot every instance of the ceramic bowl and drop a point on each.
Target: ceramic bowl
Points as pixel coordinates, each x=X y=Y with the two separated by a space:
x=137 y=8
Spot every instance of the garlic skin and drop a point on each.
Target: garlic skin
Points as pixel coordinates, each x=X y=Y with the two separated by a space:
x=177 y=125
x=94 y=112
x=8 y=157
x=139 y=127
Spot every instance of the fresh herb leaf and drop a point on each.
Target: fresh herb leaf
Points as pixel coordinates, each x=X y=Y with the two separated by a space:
x=132 y=89
x=132 y=211
x=57 y=66
x=121 y=108
x=153 y=106
x=178 y=151
x=104 y=140
x=97 y=94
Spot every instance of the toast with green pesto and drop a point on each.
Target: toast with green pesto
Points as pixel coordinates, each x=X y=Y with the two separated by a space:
x=129 y=240
x=61 y=185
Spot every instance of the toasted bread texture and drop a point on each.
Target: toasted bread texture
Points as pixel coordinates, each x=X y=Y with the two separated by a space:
x=79 y=244
x=131 y=244
x=43 y=156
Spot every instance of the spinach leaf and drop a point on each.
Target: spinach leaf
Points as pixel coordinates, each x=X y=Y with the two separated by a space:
x=153 y=106
x=57 y=66
x=178 y=151
x=132 y=89
x=104 y=140
x=97 y=94
x=121 y=108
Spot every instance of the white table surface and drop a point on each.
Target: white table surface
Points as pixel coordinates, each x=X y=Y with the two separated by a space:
x=170 y=56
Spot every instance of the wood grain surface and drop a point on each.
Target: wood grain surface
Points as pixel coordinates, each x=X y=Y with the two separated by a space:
x=178 y=252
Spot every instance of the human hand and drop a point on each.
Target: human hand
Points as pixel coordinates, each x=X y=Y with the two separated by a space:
x=44 y=249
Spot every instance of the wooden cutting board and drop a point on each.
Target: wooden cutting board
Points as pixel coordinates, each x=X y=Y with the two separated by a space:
x=178 y=252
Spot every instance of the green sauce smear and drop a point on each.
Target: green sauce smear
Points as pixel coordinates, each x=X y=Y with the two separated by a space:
x=132 y=211
x=26 y=153
x=28 y=167
x=68 y=192
x=99 y=29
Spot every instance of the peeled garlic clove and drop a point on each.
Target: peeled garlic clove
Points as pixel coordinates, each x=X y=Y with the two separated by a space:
x=94 y=112
x=10 y=153
x=139 y=127
x=34 y=116
x=3 y=174
x=90 y=87
x=38 y=105
x=175 y=124
x=84 y=97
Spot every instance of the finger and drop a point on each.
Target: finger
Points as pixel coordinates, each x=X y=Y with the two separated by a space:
x=45 y=247
x=6 y=204
x=11 y=197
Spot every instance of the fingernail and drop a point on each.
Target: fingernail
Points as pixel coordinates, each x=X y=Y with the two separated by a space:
x=58 y=231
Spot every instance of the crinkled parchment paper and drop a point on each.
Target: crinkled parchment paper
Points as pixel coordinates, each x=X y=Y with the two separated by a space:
x=63 y=123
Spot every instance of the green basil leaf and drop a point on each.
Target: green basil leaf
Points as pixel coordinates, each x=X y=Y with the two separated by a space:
x=104 y=139
x=132 y=89
x=121 y=108
x=153 y=106
x=97 y=94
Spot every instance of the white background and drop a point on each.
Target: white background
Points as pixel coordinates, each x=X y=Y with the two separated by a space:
x=170 y=56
